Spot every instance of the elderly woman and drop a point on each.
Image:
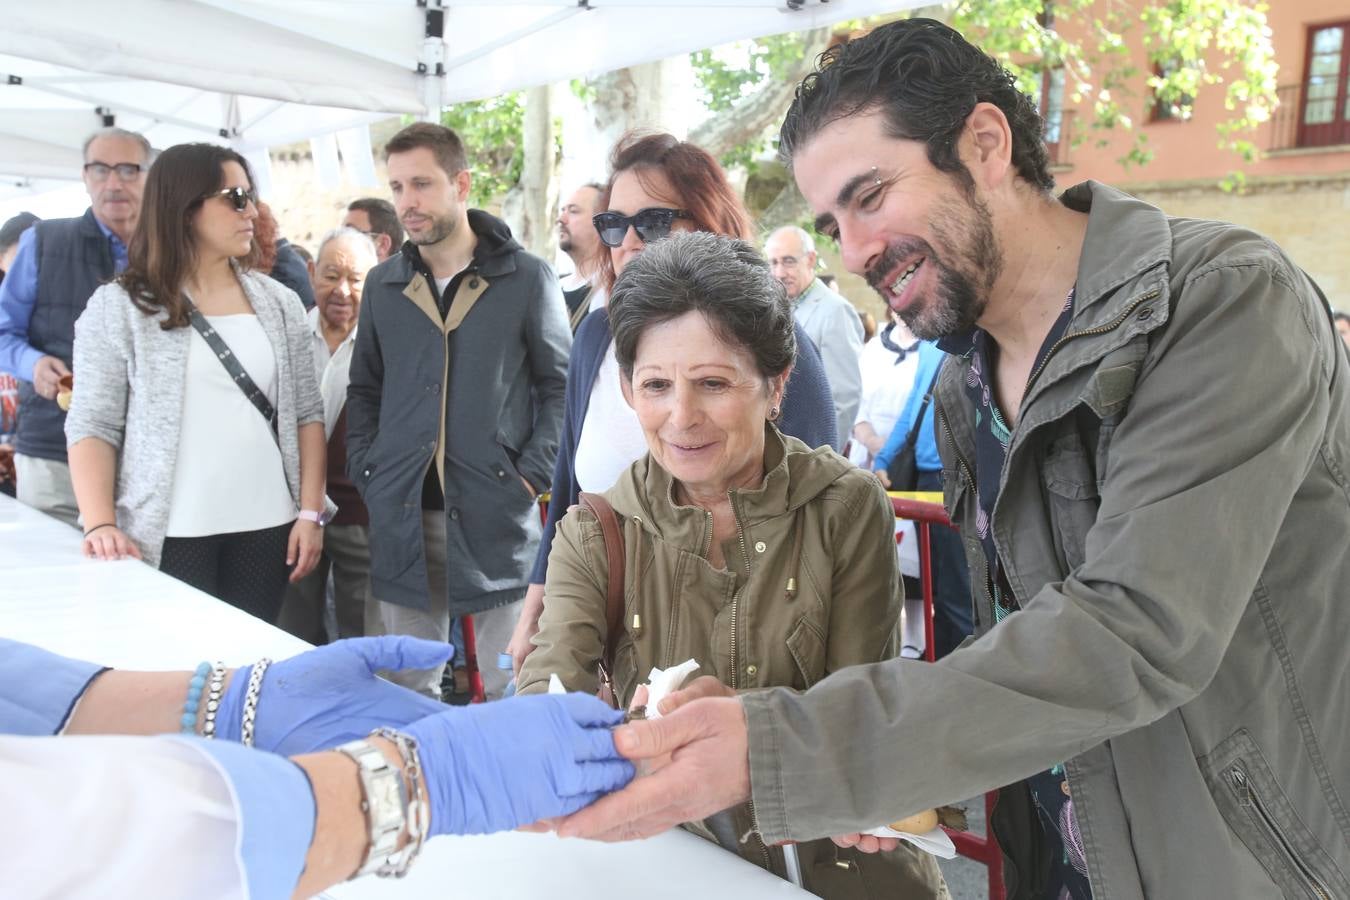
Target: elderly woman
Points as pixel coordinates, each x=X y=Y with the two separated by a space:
x=658 y=185
x=770 y=563
x=196 y=430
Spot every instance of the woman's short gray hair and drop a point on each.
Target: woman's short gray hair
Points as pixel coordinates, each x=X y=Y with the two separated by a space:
x=724 y=279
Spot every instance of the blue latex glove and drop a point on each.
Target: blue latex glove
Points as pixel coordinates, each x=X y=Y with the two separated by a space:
x=329 y=695
x=501 y=765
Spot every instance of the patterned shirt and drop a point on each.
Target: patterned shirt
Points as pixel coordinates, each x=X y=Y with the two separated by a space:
x=1050 y=789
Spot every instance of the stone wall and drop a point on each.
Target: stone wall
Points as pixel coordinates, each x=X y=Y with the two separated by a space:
x=1308 y=216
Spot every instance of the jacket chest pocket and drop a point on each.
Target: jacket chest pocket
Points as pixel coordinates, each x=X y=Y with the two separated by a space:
x=1072 y=497
x=1252 y=803
x=806 y=644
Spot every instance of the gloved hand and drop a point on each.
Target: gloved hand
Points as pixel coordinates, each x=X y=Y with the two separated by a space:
x=329 y=695
x=501 y=765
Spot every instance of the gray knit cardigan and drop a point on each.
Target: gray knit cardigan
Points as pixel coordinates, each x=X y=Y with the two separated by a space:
x=129 y=377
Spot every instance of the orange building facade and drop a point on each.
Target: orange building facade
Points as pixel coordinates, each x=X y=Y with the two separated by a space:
x=1297 y=191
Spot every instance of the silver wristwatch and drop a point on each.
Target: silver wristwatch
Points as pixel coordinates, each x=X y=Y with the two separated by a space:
x=385 y=803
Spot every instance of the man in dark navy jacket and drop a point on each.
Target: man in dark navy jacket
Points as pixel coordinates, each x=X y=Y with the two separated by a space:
x=59 y=264
x=454 y=408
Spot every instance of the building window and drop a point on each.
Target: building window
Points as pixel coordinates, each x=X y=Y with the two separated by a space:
x=1049 y=98
x=1178 y=110
x=1325 y=115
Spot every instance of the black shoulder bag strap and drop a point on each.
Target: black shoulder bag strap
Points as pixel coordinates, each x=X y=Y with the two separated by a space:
x=912 y=438
x=232 y=365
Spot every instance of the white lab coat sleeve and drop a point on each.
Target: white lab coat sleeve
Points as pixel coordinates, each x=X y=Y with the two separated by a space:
x=150 y=817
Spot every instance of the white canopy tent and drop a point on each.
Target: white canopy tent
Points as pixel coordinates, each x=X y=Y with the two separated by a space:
x=259 y=74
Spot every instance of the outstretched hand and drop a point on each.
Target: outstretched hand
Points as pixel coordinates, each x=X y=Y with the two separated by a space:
x=331 y=694
x=709 y=770
x=502 y=765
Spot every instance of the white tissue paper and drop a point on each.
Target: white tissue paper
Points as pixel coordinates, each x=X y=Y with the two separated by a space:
x=936 y=842
x=555 y=685
x=666 y=681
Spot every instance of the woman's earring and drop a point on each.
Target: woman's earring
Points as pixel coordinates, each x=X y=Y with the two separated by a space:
x=773 y=414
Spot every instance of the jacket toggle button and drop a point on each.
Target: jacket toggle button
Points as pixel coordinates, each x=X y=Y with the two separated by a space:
x=473 y=284
x=760 y=546
x=751 y=669
x=454 y=514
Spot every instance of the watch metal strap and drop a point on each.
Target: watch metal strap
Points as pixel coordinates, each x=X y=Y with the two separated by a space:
x=385 y=803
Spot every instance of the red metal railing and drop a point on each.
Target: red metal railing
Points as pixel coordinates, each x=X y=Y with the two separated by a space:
x=925 y=514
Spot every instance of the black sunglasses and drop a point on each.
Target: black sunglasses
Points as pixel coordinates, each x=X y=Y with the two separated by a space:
x=239 y=197
x=651 y=224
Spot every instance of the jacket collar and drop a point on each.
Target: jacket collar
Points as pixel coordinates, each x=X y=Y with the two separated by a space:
x=494 y=254
x=1127 y=239
x=1122 y=291
x=794 y=475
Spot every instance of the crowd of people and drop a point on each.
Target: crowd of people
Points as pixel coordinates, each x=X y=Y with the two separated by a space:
x=1148 y=543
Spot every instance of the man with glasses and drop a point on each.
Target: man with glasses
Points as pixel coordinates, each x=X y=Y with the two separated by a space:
x=59 y=264
x=346 y=257
x=378 y=220
x=829 y=319
x=454 y=407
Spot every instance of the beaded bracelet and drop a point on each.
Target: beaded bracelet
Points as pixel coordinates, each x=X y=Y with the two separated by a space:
x=213 y=693
x=188 y=721
x=255 y=680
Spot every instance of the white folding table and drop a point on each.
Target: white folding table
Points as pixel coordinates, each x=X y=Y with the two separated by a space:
x=128 y=615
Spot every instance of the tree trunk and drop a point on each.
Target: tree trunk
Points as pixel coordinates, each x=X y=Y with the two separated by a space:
x=538 y=187
x=627 y=99
x=753 y=114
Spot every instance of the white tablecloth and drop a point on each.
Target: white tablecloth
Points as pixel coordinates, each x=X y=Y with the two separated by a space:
x=129 y=615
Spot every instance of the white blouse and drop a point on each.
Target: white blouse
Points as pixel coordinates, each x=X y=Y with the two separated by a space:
x=611 y=436
x=228 y=476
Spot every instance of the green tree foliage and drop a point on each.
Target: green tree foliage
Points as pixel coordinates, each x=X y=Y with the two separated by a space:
x=770 y=59
x=492 y=132
x=1189 y=44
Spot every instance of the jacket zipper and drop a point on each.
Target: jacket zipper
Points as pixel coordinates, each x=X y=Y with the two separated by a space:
x=1237 y=775
x=736 y=597
x=970 y=477
x=1100 y=329
x=735 y=665
x=674 y=617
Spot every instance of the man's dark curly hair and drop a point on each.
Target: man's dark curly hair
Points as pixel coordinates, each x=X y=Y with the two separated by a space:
x=925 y=79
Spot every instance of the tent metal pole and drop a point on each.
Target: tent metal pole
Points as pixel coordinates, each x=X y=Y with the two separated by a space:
x=123 y=107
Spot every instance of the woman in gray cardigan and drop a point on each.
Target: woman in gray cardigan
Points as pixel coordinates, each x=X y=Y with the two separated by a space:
x=172 y=460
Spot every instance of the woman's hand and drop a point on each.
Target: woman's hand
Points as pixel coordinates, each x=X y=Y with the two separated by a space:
x=527 y=626
x=109 y=542
x=303 y=548
x=867 y=843
x=884 y=478
x=703 y=686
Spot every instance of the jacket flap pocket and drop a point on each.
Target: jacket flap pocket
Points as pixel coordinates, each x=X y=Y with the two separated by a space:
x=807 y=646
x=1251 y=801
x=1068 y=468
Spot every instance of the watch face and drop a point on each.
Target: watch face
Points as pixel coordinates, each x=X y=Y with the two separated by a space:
x=384 y=796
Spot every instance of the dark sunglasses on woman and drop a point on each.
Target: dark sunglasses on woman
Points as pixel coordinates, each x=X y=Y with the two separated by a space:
x=239 y=197
x=651 y=224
